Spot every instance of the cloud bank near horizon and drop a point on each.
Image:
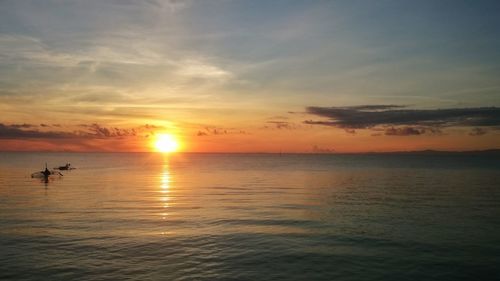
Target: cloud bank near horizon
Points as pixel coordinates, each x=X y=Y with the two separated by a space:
x=86 y=131
x=398 y=120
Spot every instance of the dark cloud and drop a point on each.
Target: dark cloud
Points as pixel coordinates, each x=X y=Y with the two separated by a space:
x=89 y=131
x=15 y=132
x=477 y=132
x=404 y=131
x=216 y=131
x=325 y=123
x=369 y=116
x=97 y=131
x=372 y=107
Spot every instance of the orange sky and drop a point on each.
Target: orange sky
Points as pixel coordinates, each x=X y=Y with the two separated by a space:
x=249 y=76
x=308 y=139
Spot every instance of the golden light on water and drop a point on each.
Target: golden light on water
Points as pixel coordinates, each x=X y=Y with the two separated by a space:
x=165 y=185
x=166 y=143
x=164 y=194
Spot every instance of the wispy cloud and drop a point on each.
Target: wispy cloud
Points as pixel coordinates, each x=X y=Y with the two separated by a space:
x=200 y=69
x=281 y=124
x=217 y=131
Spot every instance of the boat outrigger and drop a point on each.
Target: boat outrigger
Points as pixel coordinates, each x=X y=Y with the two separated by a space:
x=45 y=174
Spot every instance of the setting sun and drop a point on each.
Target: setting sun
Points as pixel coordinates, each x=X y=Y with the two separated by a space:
x=166 y=143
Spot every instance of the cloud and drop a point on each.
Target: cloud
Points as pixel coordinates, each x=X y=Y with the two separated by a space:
x=15 y=132
x=200 y=69
x=369 y=116
x=278 y=117
x=405 y=131
x=89 y=131
x=101 y=97
x=318 y=149
x=103 y=132
x=281 y=124
x=24 y=125
x=477 y=132
x=216 y=131
x=374 y=107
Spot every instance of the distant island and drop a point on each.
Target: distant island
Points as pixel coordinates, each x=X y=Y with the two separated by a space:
x=433 y=152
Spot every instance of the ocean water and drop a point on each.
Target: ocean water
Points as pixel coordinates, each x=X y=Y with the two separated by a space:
x=141 y=216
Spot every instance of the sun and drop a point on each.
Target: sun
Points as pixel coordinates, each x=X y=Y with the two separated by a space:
x=166 y=143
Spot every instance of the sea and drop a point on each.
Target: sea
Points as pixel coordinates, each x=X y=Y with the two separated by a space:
x=152 y=216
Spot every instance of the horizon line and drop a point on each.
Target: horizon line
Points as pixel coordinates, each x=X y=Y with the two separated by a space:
x=490 y=150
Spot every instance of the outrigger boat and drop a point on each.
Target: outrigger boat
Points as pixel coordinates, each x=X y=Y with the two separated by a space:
x=45 y=174
x=66 y=167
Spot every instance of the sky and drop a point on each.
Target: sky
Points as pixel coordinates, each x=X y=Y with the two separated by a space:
x=250 y=76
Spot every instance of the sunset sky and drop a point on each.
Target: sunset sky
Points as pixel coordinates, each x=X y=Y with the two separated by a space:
x=250 y=76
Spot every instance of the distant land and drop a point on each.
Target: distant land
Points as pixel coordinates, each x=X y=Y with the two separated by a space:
x=433 y=152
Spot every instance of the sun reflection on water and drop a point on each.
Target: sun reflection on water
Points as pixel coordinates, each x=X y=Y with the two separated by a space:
x=165 y=182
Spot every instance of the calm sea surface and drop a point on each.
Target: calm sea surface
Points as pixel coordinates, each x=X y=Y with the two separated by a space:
x=250 y=217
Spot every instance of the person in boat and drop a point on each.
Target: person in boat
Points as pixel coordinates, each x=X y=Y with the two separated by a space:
x=65 y=167
x=46 y=173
